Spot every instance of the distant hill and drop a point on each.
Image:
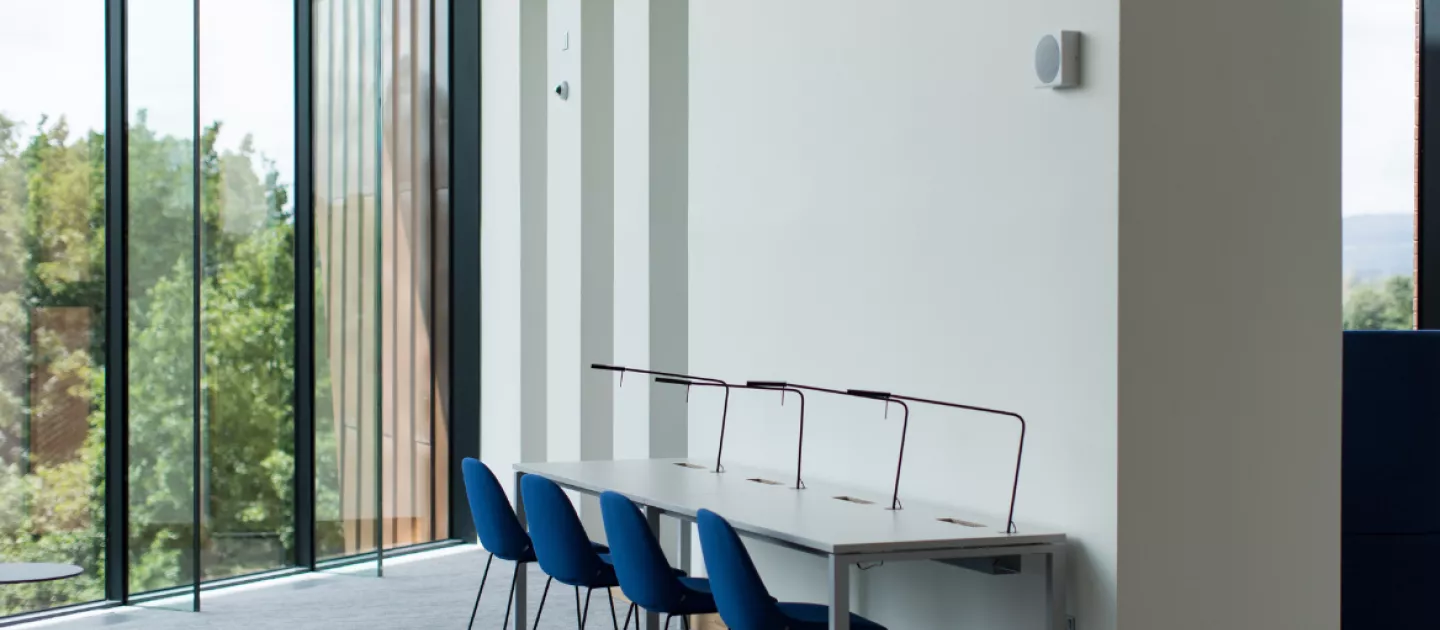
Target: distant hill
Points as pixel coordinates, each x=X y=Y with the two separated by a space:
x=1378 y=245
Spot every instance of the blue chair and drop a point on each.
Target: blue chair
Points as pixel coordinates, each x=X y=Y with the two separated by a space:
x=499 y=530
x=740 y=593
x=645 y=576
x=563 y=548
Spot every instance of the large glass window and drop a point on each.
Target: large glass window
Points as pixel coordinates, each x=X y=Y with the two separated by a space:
x=52 y=295
x=346 y=180
x=408 y=285
x=247 y=104
x=380 y=436
x=1379 y=164
x=163 y=396
x=204 y=244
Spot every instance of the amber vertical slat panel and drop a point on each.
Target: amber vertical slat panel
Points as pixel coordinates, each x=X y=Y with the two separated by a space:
x=421 y=302
x=410 y=301
x=440 y=264
x=357 y=488
x=329 y=519
x=368 y=396
x=402 y=154
x=384 y=297
x=386 y=270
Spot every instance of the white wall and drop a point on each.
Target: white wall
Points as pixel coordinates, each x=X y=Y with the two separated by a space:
x=878 y=197
x=500 y=238
x=1229 y=314
x=881 y=199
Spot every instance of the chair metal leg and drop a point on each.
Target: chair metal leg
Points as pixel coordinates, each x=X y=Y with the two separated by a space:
x=685 y=622
x=483 y=577
x=629 y=611
x=584 y=619
x=667 y=621
x=510 y=601
x=615 y=621
x=542 y=602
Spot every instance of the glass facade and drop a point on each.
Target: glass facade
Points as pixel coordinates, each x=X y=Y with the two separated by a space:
x=378 y=422
x=161 y=191
x=52 y=298
x=247 y=301
x=1379 y=165
x=211 y=303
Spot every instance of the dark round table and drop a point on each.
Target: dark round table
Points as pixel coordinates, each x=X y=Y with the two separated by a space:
x=26 y=572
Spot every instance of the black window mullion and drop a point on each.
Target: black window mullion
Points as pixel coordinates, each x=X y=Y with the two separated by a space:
x=1427 y=207
x=305 y=269
x=197 y=349
x=464 y=415
x=117 y=581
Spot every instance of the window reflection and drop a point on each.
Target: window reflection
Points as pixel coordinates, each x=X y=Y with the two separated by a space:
x=52 y=291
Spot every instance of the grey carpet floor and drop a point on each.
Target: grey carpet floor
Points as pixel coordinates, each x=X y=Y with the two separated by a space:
x=429 y=592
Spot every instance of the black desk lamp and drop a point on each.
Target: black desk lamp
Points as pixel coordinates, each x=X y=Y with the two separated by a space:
x=725 y=410
x=1019 y=453
x=800 y=449
x=905 y=428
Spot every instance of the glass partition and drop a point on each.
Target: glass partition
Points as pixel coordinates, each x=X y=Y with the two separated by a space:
x=247 y=104
x=409 y=285
x=348 y=245
x=380 y=480
x=163 y=344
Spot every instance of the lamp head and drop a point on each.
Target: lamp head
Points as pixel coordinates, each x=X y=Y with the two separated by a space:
x=866 y=393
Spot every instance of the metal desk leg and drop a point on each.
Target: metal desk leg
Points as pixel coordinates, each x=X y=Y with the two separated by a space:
x=682 y=546
x=1056 y=574
x=652 y=517
x=839 y=593
x=521 y=579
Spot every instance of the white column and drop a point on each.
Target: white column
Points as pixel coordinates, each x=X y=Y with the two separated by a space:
x=1229 y=314
x=534 y=99
x=580 y=229
x=651 y=227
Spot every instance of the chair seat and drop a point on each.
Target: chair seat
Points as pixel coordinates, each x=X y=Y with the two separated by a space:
x=605 y=556
x=697 y=599
x=818 y=616
x=700 y=585
x=529 y=554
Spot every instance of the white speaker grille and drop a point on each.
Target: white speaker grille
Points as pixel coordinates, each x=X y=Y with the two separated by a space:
x=1047 y=60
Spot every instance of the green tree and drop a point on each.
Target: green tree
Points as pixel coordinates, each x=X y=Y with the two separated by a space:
x=52 y=219
x=1386 y=305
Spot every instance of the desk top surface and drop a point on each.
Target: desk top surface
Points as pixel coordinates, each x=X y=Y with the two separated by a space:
x=25 y=572
x=812 y=518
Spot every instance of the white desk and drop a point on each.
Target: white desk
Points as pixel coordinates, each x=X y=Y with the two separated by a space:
x=809 y=520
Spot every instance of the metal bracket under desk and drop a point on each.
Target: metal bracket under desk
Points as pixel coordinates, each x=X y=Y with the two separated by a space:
x=999 y=565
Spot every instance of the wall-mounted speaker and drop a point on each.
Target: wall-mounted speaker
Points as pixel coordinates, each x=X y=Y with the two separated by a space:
x=1057 y=60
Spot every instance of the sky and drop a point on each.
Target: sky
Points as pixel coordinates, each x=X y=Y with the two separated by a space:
x=52 y=61
x=1379 y=107
x=58 y=67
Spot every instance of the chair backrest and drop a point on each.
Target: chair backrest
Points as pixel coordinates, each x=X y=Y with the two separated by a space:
x=495 y=523
x=561 y=544
x=645 y=574
x=740 y=594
